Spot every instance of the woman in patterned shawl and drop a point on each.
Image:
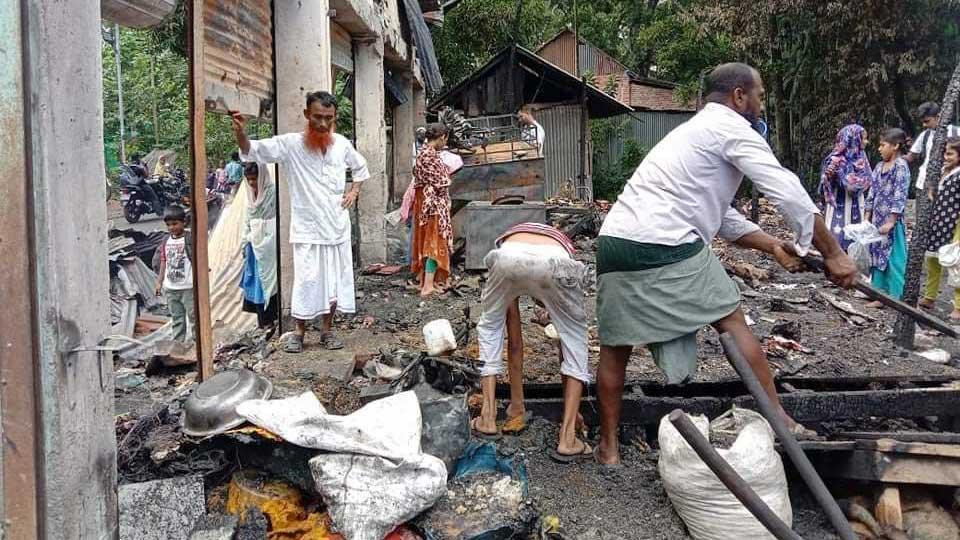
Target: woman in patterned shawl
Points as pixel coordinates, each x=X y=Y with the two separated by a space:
x=845 y=178
x=433 y=232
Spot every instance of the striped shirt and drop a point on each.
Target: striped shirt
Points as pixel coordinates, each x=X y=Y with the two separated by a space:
x=541 y=229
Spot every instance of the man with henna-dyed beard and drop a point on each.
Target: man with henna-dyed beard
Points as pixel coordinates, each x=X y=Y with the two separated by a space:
x=315 y=163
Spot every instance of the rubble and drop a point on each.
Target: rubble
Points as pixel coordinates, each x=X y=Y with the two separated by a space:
x=161 y=509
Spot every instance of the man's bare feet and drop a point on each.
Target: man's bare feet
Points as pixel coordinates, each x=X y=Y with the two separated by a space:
x=608 y=453
x=484 y=426
x=875 y=305
x=955 y=315
x=927 y=303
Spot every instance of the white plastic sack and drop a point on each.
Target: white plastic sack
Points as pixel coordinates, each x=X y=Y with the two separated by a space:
x=708 y=508
x=949 y=255
x=376 y=477
x=862 y=234
x=953 y=277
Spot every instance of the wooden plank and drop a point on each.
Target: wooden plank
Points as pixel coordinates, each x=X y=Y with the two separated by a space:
x=489 y=182
x=888 y=511
x=888 y=468
x=903 y=436
x=920 y=449
x=907 y=403
x=198 y=157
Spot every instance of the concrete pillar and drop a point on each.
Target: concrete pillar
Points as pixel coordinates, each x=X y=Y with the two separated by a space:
x=303 y=65
x=404 y=139
x=371 y=142
x=70 y=284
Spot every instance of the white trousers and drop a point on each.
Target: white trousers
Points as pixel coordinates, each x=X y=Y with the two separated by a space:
x=322 y=275
x=548 y=274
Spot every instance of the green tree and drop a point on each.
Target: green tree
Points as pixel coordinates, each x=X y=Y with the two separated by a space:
x=479 y=29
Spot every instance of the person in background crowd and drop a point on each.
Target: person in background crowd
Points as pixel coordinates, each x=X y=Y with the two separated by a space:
x=929 y=113
x=234 y=171
x=885 y=206
x=532 y=131
x=659 y=281
x=845 y=178
x=944 y=220
x=161 y=169
x=432 y=227
x=315 y=163
x=223 y=183
x=259 y=279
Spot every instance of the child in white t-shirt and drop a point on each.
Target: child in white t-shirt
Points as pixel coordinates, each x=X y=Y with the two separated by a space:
x=176 y=272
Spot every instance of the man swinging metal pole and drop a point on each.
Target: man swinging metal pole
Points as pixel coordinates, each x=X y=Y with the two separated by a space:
x=659 y=281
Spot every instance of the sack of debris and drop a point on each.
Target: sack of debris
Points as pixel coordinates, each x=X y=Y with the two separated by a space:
x=862 y=234
x=710 y=511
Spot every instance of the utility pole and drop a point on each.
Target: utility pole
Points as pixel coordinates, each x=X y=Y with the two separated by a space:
x=156 y=114
x=581 y=187
x=113 y=38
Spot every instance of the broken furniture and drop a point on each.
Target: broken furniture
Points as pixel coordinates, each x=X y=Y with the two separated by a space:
x=212 y=408
x=485 y=222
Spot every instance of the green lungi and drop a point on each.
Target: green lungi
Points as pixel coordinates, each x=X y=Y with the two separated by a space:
x=660 y=296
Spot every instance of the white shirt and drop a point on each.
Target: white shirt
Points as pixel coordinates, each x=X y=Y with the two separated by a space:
x=534 y=137
x=682 y=190
x=179 y=271
x=316 y=181
x=920 y=148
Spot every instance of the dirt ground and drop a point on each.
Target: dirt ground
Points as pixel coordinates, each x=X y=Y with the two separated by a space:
x=593 y=503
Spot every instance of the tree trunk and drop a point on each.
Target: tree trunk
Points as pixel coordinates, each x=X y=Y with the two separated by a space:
x=905 y=328
x=900 y=105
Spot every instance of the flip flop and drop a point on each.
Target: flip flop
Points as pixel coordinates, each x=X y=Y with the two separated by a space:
x=293 y=344
x=483 y=435
x=517 y=424
x=586 y=453
x=330 y=341
x=801 y=433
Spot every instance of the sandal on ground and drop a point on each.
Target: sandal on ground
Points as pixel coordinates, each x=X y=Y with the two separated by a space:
x=330 y=341
x=926 y=303
x=483 y=434
x=606 y=466
x=585 y=453
x=293 y=344
x=517 y=424
x=802 y=433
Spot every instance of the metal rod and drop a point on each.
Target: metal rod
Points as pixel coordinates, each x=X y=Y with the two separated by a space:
x=729 y=477
x=878 y=295
x=789 y=442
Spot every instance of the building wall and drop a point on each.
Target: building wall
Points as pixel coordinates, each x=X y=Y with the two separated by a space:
x=561 y=149
x=653 y=97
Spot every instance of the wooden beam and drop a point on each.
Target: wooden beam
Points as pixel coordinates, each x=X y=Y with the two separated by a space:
x=903 y=436
x=198 y=156
x=888 y=467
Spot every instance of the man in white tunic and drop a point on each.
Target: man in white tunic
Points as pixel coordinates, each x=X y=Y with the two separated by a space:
x=314 y=164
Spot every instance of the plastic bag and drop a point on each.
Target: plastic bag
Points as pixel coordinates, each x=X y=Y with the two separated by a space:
x=708 y=508
x=862 y=234
x=949 y=255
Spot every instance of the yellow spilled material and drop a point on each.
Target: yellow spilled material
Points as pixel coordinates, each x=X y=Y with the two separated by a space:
x=282 y=505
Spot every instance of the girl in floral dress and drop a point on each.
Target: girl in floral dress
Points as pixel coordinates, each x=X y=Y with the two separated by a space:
x=885 y=206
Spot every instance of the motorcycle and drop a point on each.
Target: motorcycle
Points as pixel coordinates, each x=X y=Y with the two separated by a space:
x=133 y=193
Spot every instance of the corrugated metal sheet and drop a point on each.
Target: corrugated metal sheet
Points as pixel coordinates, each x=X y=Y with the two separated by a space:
x=136 y=13
x=647 y=128
x=561 y=150
x=238 y=56
x=560 y=52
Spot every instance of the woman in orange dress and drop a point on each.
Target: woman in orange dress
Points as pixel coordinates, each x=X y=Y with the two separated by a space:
x=433 y=232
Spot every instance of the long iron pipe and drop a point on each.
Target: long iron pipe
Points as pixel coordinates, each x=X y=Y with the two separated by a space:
x=789 y=442
x=733 y=481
